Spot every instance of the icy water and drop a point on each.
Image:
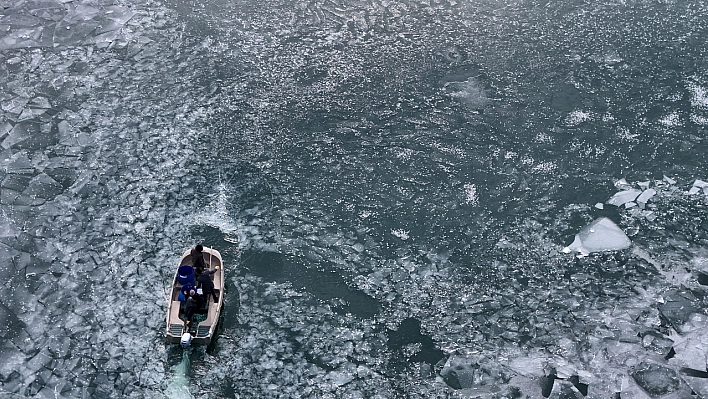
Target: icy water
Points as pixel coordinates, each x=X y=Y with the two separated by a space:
x=391 y=184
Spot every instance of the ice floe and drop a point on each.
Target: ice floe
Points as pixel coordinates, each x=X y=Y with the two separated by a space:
x=657 y=380
x=600 y=235
x=624 y=197
x=645 y=196
x=698 y=187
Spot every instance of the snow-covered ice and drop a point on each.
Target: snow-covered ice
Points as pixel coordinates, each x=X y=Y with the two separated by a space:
x=600 y=235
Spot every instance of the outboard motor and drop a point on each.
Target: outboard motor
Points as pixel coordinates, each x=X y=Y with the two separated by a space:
x=186 y=340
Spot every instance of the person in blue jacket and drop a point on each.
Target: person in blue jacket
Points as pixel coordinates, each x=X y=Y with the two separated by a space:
x=184 y=292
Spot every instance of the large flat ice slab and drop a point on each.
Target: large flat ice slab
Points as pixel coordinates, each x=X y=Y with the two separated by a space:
x=698 y=186
x=599 y=236
x=624 y=197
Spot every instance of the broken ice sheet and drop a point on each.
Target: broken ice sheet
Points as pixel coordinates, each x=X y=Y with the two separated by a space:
x=118 y=16
x=698 y=186
x=461 y=372
x=624 y=197
x=622 y=184
x=645 y=196
x=690 y=342
x=700 y=183
x=656 y=379
x=599 y=236
x=677 y=308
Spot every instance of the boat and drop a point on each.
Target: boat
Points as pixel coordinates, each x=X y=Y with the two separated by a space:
x=203 y=327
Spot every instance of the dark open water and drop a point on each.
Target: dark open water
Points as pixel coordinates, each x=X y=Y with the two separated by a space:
x=400 y=177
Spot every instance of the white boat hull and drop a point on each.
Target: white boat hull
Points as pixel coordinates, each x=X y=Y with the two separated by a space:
x=204 y=330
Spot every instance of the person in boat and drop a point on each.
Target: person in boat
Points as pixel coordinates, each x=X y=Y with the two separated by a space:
x=204 y=282
x=198 y=259
x=185 y=291
x=193 y=303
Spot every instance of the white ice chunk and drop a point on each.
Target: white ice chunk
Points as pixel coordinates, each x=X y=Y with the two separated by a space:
x=18 y=134
x=600 y=205
x=564 y=369
x=669 y=180
x=623 y=197
x=400 y=233
x=339 y=378
x=700 y=263
x=646 y=195
x=5 y=128
x=622 y=184
x=531 y=365
x=15 y=105
x=19 y=164
x=600 y=235
x=83 y=12
x=700 y=184
x=43 y=186
x=41 y=102
x=30 y=113
x=118 y=16
x=690 y=346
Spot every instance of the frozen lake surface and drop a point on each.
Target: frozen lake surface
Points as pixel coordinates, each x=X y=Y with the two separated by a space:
x=414 y=199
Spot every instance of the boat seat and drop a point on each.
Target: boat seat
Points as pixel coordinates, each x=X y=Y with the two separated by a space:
x=174 y=315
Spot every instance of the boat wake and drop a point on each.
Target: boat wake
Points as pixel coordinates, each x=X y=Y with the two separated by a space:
x=178 y=386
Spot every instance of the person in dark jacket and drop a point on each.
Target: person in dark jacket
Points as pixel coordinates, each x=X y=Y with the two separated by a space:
x=198 y=259
x=193 y=303
x=204 y=282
